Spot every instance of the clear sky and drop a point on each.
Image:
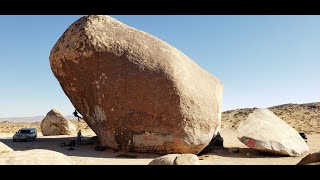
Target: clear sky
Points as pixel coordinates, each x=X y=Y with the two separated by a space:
x=261 y=60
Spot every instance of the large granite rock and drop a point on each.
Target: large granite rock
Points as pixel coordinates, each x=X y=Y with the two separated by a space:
x=135 y=91
x=35 y=157
x=4 y=148
x=176 y=159
x=56 y=124
x=266 y=132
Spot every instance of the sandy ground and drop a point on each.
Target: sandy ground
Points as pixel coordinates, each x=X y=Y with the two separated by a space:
x=81 y=155
x=86 y=154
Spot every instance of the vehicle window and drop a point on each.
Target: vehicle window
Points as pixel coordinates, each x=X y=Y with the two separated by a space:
x=24 y=131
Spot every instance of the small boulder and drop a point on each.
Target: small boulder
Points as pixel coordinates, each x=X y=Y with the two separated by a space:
x=267 y=133
x=56 y=124
x=186 y=159
x=176 y=159
x=164 y=160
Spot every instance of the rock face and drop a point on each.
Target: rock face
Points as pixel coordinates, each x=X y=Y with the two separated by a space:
x=35 y=157
x=135 y=91
x=265 y=132
x=176 y=159
x=56 y=124
x=4 y=148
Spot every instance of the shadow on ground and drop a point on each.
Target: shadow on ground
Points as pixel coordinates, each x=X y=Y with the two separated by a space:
x=235 y=152
x=55 y=144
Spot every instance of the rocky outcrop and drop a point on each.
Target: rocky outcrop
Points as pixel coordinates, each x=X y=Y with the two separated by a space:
x=56 y=124
x=176 y=159
x=136 y=92
x=265 y=132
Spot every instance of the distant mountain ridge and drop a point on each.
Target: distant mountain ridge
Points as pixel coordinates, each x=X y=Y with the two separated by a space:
x=30 y=119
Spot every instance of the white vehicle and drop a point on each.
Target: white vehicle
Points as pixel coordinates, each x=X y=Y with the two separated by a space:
x=25 y=134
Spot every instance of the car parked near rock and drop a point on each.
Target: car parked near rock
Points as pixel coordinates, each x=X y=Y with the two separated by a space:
x=25 y=134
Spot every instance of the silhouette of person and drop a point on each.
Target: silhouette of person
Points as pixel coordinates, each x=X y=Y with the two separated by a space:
x=79 y=137
x=75 y=113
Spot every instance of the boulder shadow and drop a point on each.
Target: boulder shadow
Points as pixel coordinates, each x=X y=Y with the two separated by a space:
x=62 y=145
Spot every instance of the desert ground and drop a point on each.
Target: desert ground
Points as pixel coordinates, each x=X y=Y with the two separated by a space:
x=87 y=155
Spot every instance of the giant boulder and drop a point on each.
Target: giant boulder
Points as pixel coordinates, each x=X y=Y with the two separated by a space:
x=135 y=91
x=267 y=133
x=56 y=124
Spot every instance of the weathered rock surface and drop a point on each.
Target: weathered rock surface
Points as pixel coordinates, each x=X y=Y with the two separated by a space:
x=4 y=148
x=56 y=124
x=265 y=132
x=35 y=157
x=176 y=159
x=135 y=91
x=186 y=159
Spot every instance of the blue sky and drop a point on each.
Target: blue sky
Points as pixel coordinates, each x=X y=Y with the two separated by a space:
x=261 y=60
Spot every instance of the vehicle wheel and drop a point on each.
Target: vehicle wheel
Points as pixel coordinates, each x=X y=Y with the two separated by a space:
x=34 y=139
x=14 y=140
x=28 y=139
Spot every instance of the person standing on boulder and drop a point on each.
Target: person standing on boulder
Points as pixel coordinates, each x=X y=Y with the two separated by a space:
x=79 y=137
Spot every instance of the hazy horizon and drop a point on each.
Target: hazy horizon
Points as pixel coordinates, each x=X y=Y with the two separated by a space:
x=262 y=61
